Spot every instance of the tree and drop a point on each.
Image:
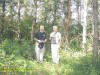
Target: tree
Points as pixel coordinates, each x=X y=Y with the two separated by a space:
x=67 y=13
x=45 y=12
x=84 y=22
x=95 y=32
x=78 y=10
x=34 y=18
x=55 y=11
x=18 y=32
x=3 y=16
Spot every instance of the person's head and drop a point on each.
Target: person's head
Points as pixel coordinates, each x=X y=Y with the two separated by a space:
x=41 y=28
x=55 y=28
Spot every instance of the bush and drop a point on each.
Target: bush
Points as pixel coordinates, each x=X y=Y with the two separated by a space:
x=17 y=47
x=75 y=45
x=71 y=63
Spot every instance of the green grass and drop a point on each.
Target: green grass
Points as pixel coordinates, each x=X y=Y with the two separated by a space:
x=71 y=62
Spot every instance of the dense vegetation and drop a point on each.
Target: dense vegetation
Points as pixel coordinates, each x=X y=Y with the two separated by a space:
x=22 y=53
x=80 y=49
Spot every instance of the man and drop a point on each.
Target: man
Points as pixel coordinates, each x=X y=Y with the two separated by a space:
x=55 y=38
x=40 y=38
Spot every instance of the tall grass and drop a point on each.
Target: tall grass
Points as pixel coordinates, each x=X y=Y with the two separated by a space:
x=22 y=54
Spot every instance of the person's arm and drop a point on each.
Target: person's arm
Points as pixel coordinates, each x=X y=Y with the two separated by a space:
x=59 y=40
x=59 y=43
x=37 y=40
x=45 y=38
x=50 y=38
x=35 y=37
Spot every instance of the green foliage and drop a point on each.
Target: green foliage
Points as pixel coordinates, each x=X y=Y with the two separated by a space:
x=14 y=52
x=26 y=27
x=75 y=45
x=76 y=30
x=71 y=63
x=9 y=33
x=15 y=47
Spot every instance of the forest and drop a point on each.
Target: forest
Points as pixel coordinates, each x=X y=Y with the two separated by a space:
x=78 y=23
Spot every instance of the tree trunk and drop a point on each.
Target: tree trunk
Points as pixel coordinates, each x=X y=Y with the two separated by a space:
x=67 y=13
x=46 y=12
x=55 y=12
x=3 y=16
x=78 y=11
x=34 y=19
x=18 y=32
x=84 y=22
x=95 y=32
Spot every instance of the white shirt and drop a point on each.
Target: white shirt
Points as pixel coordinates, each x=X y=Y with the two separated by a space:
x=57 y=36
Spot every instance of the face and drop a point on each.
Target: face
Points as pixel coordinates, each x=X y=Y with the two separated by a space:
x=41 y=28
x=55 y=28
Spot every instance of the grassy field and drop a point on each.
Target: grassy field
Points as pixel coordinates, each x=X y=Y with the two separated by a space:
x=22 y=61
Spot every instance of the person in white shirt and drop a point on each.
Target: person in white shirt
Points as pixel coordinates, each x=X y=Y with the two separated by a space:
x=55 y=38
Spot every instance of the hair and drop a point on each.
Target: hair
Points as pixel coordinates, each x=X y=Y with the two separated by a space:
x=55 y=26
x=41 y=25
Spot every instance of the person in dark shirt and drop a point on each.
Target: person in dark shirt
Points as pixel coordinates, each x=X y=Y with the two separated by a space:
x=40 y=39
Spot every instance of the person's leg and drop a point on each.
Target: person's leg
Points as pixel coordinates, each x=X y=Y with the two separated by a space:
x=55 y=53
x=42 y=51
x=57 y=56
x=37 y=52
